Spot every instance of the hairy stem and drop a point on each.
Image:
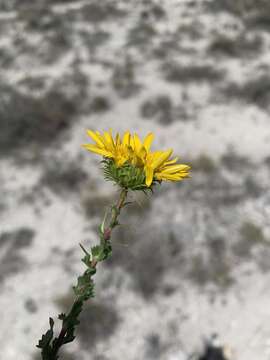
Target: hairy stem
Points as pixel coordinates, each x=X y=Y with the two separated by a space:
x=84 y=289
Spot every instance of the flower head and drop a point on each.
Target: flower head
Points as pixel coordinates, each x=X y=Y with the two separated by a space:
x=130 y=162
x=109 y=147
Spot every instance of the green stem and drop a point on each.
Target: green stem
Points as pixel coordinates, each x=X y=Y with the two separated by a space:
x=84 y=289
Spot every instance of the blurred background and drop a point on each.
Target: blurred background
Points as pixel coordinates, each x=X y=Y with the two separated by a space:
x=190 y=271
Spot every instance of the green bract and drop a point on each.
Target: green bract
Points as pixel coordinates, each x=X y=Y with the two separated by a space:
x=126 y=176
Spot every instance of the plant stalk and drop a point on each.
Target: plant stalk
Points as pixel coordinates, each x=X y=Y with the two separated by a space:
x=49 y=346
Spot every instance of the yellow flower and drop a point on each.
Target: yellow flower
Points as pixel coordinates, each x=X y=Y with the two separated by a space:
x=159 y=166
x=156 y=164
x=131 y=151
x=139 y=150
x=108 y=147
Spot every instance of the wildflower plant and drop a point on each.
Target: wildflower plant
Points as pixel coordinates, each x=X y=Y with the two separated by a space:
x=130 y=164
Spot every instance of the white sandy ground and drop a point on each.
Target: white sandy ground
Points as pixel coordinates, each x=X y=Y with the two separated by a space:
x=240 y=316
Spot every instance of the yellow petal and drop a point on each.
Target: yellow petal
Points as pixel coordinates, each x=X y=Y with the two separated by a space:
x=137 y=143
x=131 y=143
x=96 y=137
x=171 y=161
x=120 y=161
x=171 y=169
x=109 y=140
x=149 y=174
x=152 y=157
x=117 y=140
x=97 y=150
x=148 y=141
x=126 y=138
x=171 y=177
x=142 y=154
x=160 y=159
